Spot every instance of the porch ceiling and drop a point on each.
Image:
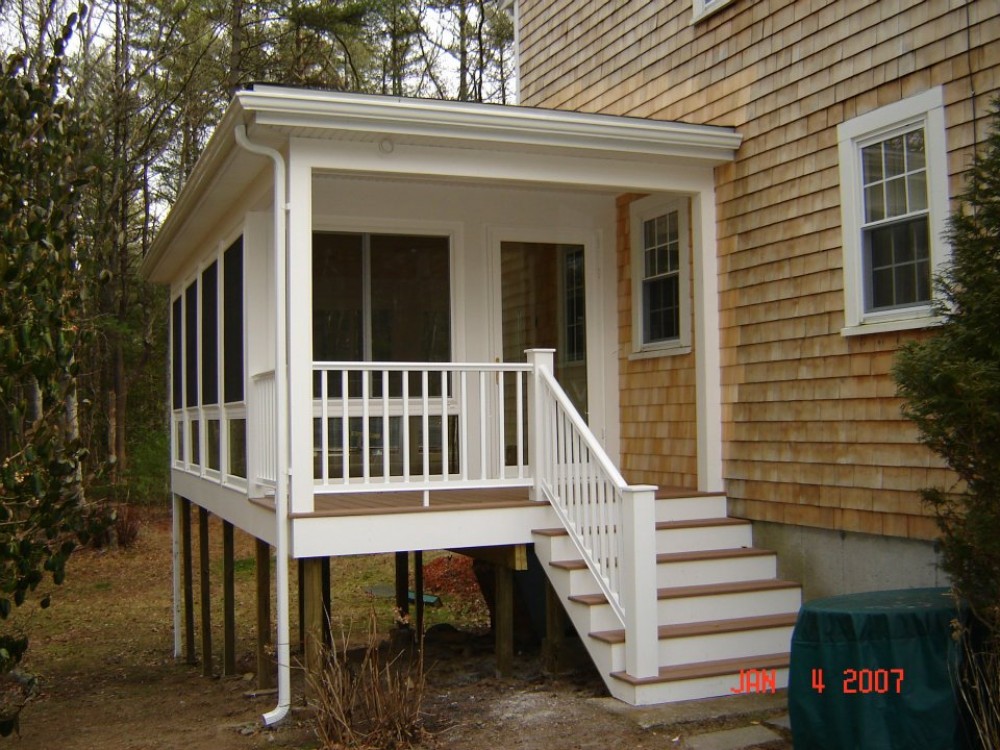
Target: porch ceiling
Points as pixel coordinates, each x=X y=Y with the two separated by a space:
x=439 y=139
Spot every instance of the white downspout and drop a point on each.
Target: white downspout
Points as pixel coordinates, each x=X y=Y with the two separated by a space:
x=281 y=398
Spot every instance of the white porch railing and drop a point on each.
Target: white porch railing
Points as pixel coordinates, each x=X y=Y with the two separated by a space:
x=611 y=524
x=263 y=429
x=422 y=426
x=419 y=425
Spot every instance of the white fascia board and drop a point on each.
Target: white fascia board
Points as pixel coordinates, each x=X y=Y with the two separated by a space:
x=319 y=536
x=499 y=125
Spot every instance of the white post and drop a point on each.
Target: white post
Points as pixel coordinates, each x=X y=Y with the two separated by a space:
x=638 y=566
x=538 y=359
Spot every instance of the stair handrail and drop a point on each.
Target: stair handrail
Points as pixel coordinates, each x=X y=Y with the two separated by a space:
x=610 y=523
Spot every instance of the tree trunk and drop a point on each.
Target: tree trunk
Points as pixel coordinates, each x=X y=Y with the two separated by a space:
x=235 y=47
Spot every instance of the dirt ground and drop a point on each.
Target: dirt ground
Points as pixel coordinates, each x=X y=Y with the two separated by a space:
x=103 y=653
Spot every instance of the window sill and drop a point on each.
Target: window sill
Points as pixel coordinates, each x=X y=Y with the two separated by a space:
x=661 y=351
x=889 y=326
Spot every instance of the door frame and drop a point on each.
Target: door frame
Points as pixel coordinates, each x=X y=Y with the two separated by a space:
x=602 y=395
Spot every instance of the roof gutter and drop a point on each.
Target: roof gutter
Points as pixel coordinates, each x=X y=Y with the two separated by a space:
x=281 y=398
x=497 y=125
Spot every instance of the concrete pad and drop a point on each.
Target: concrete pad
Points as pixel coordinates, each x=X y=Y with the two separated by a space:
x=782 y=722
x=730 y=708
x=732 y=739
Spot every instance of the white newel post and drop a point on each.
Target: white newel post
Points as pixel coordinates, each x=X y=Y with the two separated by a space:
x=639 y=581
x=538 y=359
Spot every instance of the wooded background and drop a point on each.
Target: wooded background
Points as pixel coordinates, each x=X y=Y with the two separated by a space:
x=148 y=81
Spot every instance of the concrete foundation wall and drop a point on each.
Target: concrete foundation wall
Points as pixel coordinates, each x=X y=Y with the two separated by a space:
x=828 y=563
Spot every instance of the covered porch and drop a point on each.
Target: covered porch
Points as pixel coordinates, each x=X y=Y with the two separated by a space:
x=396 y=326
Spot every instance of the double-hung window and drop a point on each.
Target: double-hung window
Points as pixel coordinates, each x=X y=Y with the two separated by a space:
x=661 y=275
x=704 y=8
x=894 y=201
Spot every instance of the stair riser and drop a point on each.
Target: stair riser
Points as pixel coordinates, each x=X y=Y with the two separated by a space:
x=704 y=538
x=561 y=548
x=728 y=606
x=573 y=582
x=688 y=509
x=704 y=608
x=674 y=651
x=667 y=540
x=716 y=646
x=724 y=570
x=685 y=690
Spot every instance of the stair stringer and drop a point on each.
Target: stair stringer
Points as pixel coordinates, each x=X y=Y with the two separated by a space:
x=581 y=581
x=571 y=578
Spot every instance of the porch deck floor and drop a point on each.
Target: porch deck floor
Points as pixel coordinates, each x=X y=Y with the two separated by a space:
x=412 y=501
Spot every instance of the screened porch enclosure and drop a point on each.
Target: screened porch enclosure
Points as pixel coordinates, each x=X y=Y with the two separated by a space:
x=209 y=410
x=389 y=403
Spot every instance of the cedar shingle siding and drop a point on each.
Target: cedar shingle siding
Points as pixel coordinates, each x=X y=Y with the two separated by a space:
x=812 y=431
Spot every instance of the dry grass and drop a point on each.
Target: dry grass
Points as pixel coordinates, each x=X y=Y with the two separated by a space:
x=979 y=686
x=372 y=702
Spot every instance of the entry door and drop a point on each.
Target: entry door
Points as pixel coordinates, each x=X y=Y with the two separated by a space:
x=543 y=305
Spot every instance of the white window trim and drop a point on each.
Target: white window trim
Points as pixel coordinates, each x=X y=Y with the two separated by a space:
x=705 y=8
x=926 y=110
x=642 y=210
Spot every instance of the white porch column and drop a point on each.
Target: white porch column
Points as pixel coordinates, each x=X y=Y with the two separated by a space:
x=299 y=301
x=639 y=581
x=538 y=359
x=708 y=361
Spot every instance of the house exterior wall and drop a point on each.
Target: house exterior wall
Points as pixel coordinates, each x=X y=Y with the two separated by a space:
x=659 y=416
x=812 y=430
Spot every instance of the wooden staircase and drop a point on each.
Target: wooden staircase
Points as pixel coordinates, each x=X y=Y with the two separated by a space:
x=720 y=607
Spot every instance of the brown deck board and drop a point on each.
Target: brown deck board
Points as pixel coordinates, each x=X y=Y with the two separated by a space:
x=409 y=501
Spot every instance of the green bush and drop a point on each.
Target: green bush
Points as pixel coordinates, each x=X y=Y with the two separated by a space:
x=950 y=384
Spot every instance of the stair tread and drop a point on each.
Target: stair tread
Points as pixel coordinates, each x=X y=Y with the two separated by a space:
x=558 y=531
x=696 y=523
x=666 y=557
x=568 y=564
x=679 y=493
x=693 y=523
x=707 y=589
x=763 y=584
x=712 y=554
x=709 y=627
x=709 y=669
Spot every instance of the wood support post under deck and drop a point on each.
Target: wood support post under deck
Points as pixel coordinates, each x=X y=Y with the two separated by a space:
x=503 y=624
x=555 y=631
x=188 y=581
x=402 y=586
x=313 y=592
x=302 y=605
x=418 y=587
x=265 y=667
x=206 y=594
x=228 y=600
x=327 y=601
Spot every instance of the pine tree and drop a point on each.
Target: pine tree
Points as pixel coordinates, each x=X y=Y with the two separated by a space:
x=950 y=384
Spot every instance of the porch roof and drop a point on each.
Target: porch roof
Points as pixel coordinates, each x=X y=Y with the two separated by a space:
x=275 y=115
